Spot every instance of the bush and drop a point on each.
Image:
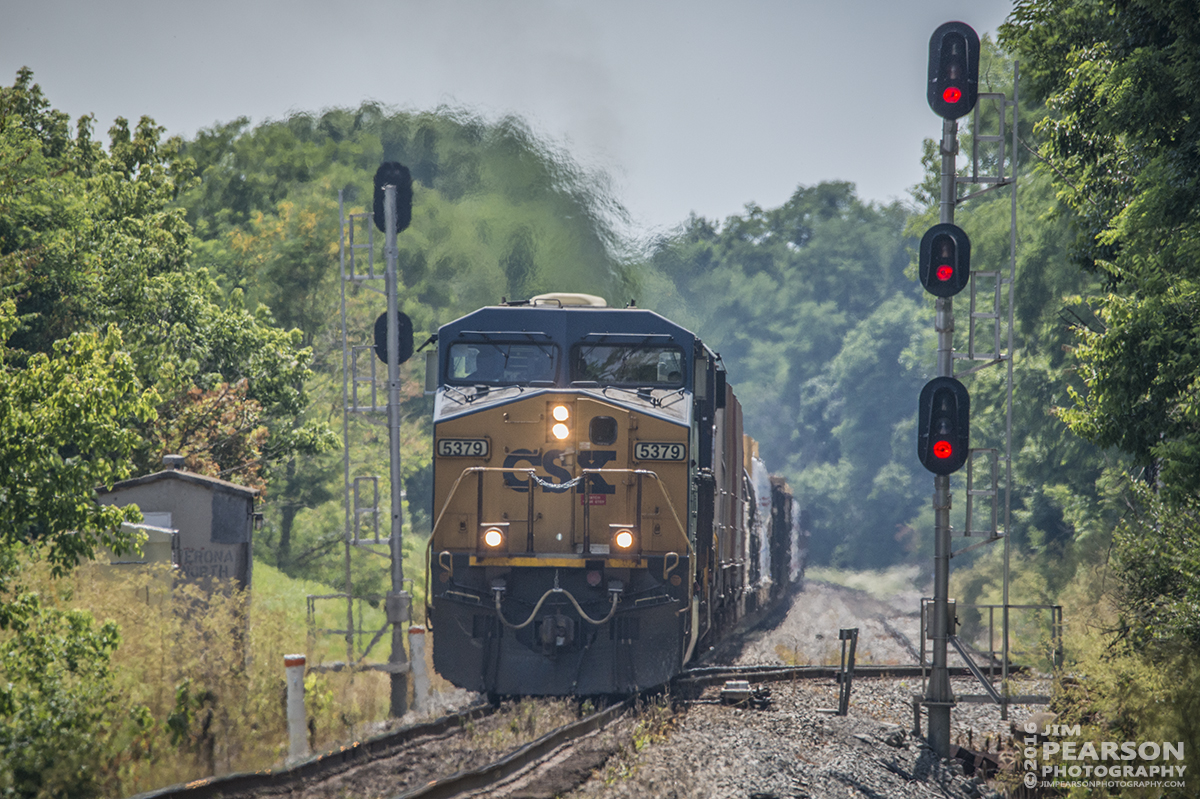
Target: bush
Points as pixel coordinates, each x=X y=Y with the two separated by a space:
x=55 y=690
x=192 y=686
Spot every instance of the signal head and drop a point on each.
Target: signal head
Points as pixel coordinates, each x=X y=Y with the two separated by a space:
x=406 y=337
x=943 y=425
x=953 y=84
x=391 y=173
x=945 y=260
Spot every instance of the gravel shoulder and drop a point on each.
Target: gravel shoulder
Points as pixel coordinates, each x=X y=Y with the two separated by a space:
x=888 y=631
x=792 y=749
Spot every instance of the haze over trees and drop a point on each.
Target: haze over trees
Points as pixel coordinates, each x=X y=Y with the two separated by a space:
x=496 y=213
x=810 y=309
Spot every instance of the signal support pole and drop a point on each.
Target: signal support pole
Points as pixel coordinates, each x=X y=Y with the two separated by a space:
x=939 y=697
x=396 y=604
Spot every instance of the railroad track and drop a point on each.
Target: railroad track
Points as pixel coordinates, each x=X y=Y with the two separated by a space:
x=294 y=779
x=526 y=757
x=712 y=675
x=321 y=766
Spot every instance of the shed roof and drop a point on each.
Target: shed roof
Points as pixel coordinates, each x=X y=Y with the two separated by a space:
x=213 y=483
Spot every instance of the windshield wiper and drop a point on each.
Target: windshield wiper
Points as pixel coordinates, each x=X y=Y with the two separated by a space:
x=679 y=394
x=483 y=390
x=641 y=393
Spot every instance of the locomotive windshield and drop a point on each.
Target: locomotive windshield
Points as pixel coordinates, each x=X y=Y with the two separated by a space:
x=500 y=364
x=628 y=365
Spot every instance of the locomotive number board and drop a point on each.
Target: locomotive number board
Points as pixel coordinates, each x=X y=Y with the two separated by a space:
x=659 y=451
x=462 y=447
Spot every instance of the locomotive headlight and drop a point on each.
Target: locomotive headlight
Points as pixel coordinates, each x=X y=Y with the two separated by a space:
x=560 y=427
x=493 y=537
x=623 y=539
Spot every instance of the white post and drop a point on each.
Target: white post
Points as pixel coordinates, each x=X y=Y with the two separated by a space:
x=297 y=723
x=416 y=651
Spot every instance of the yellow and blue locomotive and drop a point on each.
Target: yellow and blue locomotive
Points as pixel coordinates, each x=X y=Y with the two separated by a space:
x=593 y=512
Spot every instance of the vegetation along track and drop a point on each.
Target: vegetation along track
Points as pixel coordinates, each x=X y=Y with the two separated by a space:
x=298 y=778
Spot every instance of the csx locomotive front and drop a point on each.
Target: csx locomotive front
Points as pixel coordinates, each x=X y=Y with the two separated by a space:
x=566 y=456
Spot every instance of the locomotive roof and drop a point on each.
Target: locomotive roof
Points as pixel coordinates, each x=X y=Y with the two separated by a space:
x=569 y=324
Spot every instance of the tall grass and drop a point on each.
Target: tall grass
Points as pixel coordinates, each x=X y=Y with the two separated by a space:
x=198 y=678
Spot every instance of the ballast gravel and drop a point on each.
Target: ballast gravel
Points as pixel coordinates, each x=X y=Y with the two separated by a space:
x=793 y=750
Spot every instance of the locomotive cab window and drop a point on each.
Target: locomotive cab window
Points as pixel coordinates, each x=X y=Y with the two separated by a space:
x=500 y=364
x=628 y=365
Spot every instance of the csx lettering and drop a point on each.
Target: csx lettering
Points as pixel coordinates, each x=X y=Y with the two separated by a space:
x=516 y=458
x=595 y=459
x=551 y=463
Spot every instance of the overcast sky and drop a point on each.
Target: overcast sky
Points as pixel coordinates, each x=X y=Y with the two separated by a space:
x=699 y=106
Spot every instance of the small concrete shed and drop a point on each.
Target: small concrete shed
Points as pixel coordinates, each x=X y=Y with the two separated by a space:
x=214 y=519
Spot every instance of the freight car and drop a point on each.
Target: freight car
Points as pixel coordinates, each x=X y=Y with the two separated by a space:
x=599 y=517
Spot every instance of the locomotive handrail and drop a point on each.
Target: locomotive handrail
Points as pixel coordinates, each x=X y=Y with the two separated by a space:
x=558 y=488
x=442 y=512
x=473 y=470
x=665 y=493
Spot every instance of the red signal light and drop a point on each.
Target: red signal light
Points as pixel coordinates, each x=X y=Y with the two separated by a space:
x=953 y=78
x=945 y=260
x=943 y=425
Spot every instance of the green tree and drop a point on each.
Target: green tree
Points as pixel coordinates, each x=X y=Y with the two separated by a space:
x=1121 y=80
x=55 y=694
x=66 y=426
x=815 y=320
x=91 y=238
x=113 y=348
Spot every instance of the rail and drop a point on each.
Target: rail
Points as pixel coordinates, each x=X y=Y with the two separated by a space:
x=535 y=752
x=712 y=675
x=321 y=766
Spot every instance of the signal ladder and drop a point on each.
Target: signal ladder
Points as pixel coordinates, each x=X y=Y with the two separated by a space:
x=360 y=395
x=990 y=343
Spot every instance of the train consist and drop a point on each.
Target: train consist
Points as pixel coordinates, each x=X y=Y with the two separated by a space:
x=599 y=516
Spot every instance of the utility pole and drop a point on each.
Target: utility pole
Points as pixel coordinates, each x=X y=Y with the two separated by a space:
x=393 y=201
x=939 y=697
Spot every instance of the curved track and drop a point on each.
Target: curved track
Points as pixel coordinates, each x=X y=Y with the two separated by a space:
x=318 y=767
x=529 y=755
